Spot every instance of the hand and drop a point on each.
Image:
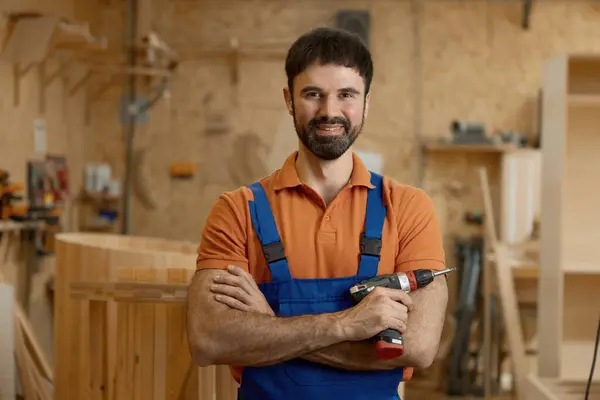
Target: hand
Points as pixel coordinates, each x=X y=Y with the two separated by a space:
x=382 y=309
x=237 y=289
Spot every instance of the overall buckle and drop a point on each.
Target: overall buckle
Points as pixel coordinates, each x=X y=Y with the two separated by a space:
x=370 y=246
x=274 y=252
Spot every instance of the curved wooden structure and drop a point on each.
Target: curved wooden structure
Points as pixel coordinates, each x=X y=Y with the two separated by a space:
x=120 y=329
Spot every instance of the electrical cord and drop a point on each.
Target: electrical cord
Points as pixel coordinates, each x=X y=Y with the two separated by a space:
x=589 y=383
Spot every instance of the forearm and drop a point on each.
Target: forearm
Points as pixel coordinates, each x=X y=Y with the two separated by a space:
x=421 y=340
x=221 y=335
x=426 y=321
x=356 y=356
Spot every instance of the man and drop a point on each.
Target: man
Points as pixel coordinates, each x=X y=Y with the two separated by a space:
x=277 y=258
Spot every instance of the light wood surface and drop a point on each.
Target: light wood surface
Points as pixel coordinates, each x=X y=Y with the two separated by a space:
x=569 y=276
x=114 y=346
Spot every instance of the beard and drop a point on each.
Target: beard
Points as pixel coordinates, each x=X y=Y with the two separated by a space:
x=328 y=147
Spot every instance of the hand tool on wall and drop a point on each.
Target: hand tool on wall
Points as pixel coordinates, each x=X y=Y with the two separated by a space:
x=8 y=196
x=389 y=343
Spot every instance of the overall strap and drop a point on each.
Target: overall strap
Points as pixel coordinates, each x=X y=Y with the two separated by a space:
x=266 y=229
x=370 y=241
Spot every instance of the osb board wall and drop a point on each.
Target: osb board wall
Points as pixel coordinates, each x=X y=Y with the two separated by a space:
x=434 y=61
x=66 y=133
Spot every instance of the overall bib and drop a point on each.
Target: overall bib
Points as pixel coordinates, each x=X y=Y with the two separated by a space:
x=299 y=379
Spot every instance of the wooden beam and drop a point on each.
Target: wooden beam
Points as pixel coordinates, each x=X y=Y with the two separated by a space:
x=18 y=74
x=80 y=83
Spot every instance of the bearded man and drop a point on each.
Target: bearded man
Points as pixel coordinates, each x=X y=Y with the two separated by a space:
x=277 y=258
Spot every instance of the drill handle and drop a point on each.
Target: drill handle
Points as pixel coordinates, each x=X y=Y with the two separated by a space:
x=389 y=344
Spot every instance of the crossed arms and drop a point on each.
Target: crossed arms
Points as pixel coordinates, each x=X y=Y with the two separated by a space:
x=230 y=323
x=225 y=330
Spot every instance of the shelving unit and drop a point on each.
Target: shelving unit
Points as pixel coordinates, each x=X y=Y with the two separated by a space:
x=440 y=146
x=569 y=276
x=31 y=39
x=90 y=205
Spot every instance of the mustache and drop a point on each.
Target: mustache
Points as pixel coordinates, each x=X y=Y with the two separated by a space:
x=329 y=121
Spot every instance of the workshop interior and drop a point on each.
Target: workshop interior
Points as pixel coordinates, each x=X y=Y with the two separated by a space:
x=122 y=121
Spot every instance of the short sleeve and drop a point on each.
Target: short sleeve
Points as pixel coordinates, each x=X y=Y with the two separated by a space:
x=223 y=240
x=420 y=238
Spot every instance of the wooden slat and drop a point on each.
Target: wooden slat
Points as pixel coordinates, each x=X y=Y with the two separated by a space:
x=130 y=294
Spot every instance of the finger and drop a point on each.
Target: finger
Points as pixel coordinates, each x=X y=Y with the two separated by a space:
x=234 y=269
x=400 y=310
x=400 y=326
x=231 y=302
x=397 y=324
x=232 y=291
x=233 y=280
x=398 y=295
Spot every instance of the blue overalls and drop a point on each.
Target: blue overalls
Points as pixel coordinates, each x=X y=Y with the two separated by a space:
x=297 y=378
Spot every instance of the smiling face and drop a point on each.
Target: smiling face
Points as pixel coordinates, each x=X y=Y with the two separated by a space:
x=329 y=107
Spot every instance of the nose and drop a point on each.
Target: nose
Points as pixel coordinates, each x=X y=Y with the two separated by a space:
x=330 y=107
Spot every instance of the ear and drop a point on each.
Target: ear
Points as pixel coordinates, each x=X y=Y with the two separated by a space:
x=287 y=96
x=367 y=99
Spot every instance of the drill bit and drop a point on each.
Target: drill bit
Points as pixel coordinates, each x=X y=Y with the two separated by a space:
x=443 y=272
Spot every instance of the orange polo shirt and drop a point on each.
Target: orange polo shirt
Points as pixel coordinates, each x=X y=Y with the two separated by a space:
x=320 y=240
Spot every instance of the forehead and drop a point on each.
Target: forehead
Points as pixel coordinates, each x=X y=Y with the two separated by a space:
x=330 y=77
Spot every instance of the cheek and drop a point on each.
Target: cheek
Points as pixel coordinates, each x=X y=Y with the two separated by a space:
x=304 y=113
x=354 y=114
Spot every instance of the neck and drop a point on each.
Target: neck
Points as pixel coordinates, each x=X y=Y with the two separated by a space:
x=327 y=178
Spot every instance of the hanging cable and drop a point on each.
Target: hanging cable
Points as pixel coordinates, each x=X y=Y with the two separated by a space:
x=589 y=383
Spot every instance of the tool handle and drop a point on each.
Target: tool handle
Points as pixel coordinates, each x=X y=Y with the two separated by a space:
x=389 y=344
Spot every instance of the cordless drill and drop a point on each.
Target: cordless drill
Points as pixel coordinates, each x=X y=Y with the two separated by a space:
x=389 y=343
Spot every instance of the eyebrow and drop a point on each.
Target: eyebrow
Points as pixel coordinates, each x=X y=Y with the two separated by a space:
x=318 y=89
x=349 y=90
x=307 y=89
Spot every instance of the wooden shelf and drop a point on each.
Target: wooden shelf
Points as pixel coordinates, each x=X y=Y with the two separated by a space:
x=584 y=100
x=441 y=146
x=31 y=39
x=592 y=268
x=538 y=388
x=576 y=360
x=569 y=275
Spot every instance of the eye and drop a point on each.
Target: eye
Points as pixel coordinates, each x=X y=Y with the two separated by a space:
x=346 y=95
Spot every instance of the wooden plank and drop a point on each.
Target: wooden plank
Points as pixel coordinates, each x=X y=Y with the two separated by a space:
x=468 y=148
x=507 y=291
x=550 y=275
x=554 y=389
x=119 y=353
x=7 y=335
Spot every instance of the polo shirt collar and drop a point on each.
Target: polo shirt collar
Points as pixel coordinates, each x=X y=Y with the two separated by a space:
x=287 y=176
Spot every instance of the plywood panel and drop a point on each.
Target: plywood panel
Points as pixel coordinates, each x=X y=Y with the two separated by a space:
x=433 y=63
x=66 y=134
x=580 y=324
x=581 y=221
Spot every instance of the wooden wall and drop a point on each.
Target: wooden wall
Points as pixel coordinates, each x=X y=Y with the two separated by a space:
x=66 y=134
x=434 y=61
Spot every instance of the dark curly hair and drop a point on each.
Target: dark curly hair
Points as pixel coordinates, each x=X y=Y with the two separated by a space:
x=325 y=45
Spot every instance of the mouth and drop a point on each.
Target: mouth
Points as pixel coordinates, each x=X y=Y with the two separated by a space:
x=326 y=129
